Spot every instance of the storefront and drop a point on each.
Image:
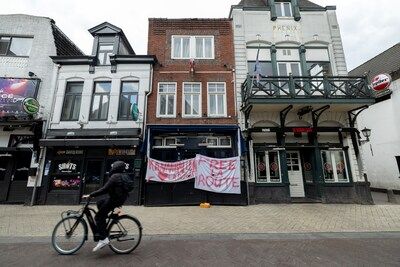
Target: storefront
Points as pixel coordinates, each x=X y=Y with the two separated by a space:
x=75 y=167
x=170 y=143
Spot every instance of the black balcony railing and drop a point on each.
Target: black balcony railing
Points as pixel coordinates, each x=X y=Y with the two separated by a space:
x=291 y=87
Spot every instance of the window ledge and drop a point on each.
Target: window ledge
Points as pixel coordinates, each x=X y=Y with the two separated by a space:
x=270 y=184
x=338 y=184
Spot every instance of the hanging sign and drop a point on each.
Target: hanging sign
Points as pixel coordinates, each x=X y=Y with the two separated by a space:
x=381 y=82
x=218 y=175
x=170 y=172
x=31 y=106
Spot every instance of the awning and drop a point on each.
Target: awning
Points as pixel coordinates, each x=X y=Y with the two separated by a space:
x=89 y=142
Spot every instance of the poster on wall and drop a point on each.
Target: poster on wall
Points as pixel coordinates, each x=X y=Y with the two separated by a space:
x=13 y=92
x=218 y=175
x=170 y=172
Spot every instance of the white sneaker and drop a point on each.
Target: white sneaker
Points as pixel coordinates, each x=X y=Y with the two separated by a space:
x=101 y=244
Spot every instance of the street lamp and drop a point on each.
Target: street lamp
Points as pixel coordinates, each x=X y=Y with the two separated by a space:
x=367 y=133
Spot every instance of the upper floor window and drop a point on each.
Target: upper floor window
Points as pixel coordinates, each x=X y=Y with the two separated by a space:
x=216 y=100
x=100 y=101
x=166 y=104
x=72 y=101
x=192 y=99
x=318 y=63
x=198 y=47
x=128 y=97
x=283 y=9
x=15 y=46
x=264 y=60
x=103 y=55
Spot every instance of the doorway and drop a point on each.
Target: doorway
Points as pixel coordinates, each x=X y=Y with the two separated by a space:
x=295 y=172
x=93 y=176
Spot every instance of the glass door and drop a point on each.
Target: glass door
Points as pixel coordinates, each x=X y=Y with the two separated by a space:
x=19 y=179
x=5 y=166
x=93 y=175
x=286 y=69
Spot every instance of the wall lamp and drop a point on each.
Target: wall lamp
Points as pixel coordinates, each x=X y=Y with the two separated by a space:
x=367 y=134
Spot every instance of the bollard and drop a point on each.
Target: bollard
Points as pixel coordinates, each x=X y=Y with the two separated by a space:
x=391 y=196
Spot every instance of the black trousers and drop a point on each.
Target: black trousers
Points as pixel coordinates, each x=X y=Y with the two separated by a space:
x=105 y=206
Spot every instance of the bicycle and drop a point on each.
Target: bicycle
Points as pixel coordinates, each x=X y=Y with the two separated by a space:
x=71 y=232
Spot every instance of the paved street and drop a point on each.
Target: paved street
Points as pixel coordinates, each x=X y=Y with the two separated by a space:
x=285 y=250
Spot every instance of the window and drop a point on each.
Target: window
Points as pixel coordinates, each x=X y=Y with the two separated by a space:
x=198 y=47
x=166 y=104
x=335 y=167
x=264 y=59
x=216 y=100
x=219 y=142
x=103 y=55
x=286 y=69
x=268 y=167
x=66 y=175
x=72 y=101
x=100 y=101
x=15 y=46
x=192 y=99
x=165 y=142
x=283 y=9
x=128 y=97
x=318 y=63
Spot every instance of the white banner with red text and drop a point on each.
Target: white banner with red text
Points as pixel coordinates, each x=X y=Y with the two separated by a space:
x=214 y=175
x=170 y=172
x=218 y=175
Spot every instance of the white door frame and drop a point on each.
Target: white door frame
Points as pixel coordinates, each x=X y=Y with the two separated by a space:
x=295 y=174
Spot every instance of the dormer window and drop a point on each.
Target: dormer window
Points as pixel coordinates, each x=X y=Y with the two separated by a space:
x=284 y=9
x=105 y=50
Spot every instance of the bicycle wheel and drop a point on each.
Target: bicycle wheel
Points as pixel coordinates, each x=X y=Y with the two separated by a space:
x=69 y=235
x=125 y=234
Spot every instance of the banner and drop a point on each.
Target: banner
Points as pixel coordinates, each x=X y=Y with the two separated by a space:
x=218 y=175
x=170 y=172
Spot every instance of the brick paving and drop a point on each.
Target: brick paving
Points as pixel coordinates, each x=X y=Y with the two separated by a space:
x=39 y=221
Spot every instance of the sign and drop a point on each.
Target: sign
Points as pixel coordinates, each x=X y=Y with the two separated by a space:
x=302 y=130
x=70 y=152
x=67 y=167
x=135 y=112
x=170 y=172
x=218 y=175
x=381 y=82
x=121 y=152
x=31 y=106
x=13 y=92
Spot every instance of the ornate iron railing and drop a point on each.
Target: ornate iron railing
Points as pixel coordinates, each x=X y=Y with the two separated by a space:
x=292 y=87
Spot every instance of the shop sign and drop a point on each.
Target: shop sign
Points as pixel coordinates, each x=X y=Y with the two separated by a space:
x=218 y=175
x=381 y=82
x=70 y=152
x=121 y=152
x=31 y=106
x=67 y=167
x=302 y=130
x=13 y=93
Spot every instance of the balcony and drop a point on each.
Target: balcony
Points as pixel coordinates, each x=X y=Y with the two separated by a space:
x=346 y=91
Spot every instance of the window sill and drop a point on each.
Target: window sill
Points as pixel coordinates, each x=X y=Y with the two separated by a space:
x=166 y=117
x=270 y=184
x=217 y=116
x=338 y=184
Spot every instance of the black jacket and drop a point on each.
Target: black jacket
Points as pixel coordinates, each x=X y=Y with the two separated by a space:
x=115 y=185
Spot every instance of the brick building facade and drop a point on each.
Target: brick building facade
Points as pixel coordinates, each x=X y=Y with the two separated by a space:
x=191 y=109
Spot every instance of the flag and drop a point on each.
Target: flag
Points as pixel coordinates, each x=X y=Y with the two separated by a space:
x=257 y=67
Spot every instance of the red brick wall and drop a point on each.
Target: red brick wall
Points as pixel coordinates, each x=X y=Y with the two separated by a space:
x=219 y=69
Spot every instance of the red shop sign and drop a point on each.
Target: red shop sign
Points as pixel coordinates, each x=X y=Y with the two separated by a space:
x=381 y=82
x=302 y=130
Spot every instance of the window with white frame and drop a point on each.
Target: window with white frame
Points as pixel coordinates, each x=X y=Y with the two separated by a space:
x=283 y=9
x=268 y=167
x=191 y=100
x=164 y=142
x=219 y=142
x=166 y=104
x=197 y=47
x=216 y=99
x=335 y=166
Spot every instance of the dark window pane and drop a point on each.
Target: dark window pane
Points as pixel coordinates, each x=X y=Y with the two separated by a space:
x=68 y=106
x=74 y=88
x=76 y=108
x=266 y=68
x=4 y=43
x=22 y=166
x=102 y=87
x=95 y=107
x=72 y=101
x=3 y=167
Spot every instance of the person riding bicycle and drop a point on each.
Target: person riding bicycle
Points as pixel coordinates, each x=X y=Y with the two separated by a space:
x=117 y=197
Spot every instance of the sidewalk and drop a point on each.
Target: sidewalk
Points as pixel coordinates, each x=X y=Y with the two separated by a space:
x=39 y=221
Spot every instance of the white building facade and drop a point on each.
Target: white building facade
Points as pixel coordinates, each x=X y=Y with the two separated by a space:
x=97 y=117
x=382 y=152
x=298 y=106
x=26 y=44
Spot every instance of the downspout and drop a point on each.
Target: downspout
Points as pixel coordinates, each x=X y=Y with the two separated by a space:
x=43 y=151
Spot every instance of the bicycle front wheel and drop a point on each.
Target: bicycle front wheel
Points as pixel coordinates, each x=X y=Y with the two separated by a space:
x=69 y=235
x=125 y=234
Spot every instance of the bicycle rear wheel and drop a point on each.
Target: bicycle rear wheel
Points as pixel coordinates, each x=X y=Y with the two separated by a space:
x=69 y=235
x=125 y=234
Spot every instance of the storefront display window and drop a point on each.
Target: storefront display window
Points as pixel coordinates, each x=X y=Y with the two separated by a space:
x=66 y=182
x=335 y=167
x=268 y=167
x=66 y=175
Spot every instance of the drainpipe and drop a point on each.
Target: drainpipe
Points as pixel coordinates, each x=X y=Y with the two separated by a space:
x=145 y=100
x=43 y=151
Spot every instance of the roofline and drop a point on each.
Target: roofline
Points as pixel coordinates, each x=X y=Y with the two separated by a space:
x=191 y=19
x=118 y=59
x=268 y=8
x=53 y=23
x=375 y=57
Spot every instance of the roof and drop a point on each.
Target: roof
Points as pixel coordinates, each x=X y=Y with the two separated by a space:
x=64 y=46
x=263 y=3
x=386 y=62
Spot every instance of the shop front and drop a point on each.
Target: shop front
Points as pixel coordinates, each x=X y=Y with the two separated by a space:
x=75 y=167
x=169 y=143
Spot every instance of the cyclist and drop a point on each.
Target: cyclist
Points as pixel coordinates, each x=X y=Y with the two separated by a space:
x=117 y=196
